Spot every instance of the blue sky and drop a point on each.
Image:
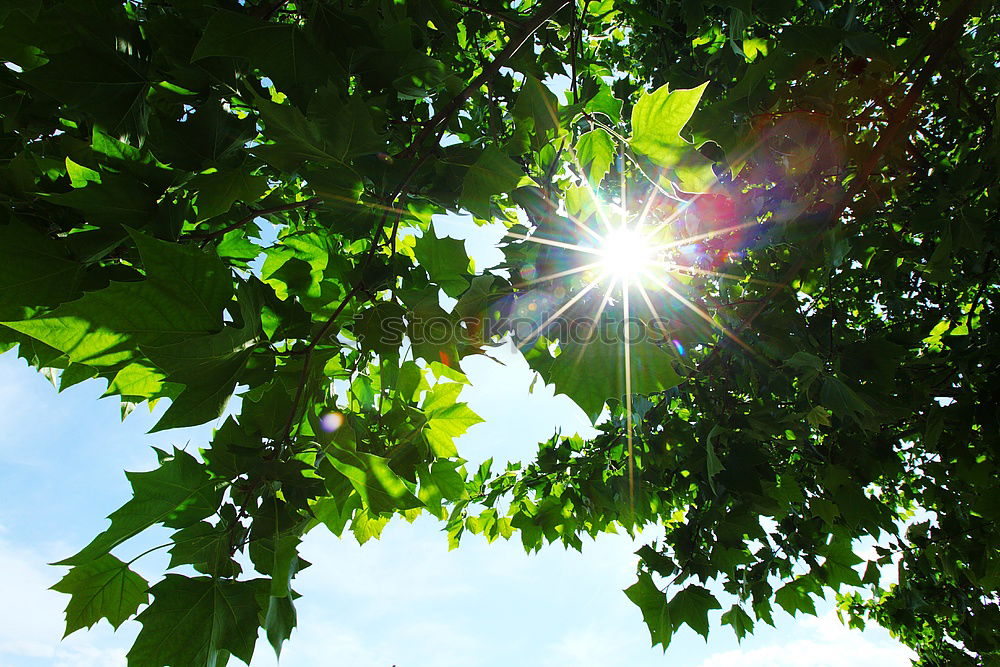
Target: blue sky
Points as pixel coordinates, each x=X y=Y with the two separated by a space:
x=404 y=600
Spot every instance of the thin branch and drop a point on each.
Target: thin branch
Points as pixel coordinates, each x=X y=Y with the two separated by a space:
x=574 y=36
x=401 y=191
x=307 y=361
x=208 y=236
x=497 y=15
x=546 y=12
x=264 y=12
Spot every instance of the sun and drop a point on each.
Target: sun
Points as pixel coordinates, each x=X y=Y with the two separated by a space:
x=629 y=260
x=625 y=253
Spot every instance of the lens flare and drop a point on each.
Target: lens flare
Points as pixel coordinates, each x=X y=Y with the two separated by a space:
x=630 y=256
x=331 y=421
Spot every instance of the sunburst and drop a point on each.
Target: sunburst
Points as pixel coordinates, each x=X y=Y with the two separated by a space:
x=629 y=255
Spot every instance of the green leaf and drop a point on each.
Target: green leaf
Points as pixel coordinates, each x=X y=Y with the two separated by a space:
x=446 y=419
x=274 y=540
x=691 y=605
x=381 y=489
x=205 y=547
x=657 y=121
x=209 y=367
x=280 y=50
x=595 y=150
x=198 y=621
x=102 y=588
x=605 y=102
x=793 y=598
x=75 y=374
x=34 y=270
x=184 y=294
x=79 y=175
x=592 y=372
x=739 y=620
x=656 y=561
x=137 y=381
x=712 y=463
x=655 y=611
x=218 y=191
x=279 y=621
x=493 y=173
x=108 y=83
x=366 y=527
x=347 y=133
x=177 y=494
x=113 y=201
x=433 y=333
x=445 y=260
x=536 y=111
x=842 y=400
x=839 y=563
x=381 y=328
x=448 y=481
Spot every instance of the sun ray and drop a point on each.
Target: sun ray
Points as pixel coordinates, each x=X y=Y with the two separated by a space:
x=622 y=187
x=684 y=268
x=645 y=210
x=701 y=237
x=566 y=306
x=701 y=313
x=557 y=244
x=652 y=309
x=597 y=316
x=560 y=274
x=598 y=204
x=628 y=393
x=579 y=223
x=606 y=299
x=576 y=221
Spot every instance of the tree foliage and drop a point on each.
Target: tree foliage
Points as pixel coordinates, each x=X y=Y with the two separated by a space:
x=216 y=196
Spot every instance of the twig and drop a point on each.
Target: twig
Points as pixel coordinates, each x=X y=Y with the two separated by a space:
x=307 y=360
x=497 y=15
x=546 y=12
x=574 y=29
x=208 y=236
x=264 y=12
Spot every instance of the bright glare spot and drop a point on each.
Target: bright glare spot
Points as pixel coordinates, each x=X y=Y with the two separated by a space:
x=625 y=253
x=331 y=421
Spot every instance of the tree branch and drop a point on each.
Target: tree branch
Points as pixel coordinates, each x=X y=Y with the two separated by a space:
x=208 y=236
x=545 y=12
x=307 y=361
x=497 y=15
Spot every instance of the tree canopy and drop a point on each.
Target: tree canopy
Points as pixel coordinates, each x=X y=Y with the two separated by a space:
x=790 y=362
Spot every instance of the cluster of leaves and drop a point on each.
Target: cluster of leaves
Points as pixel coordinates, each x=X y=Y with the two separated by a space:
x=148 y=149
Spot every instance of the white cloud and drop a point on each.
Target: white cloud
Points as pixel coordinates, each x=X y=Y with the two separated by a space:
x=31 y=619
x=821 y=641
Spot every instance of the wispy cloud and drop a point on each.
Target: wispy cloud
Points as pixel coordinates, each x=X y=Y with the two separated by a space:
x=31 y=619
